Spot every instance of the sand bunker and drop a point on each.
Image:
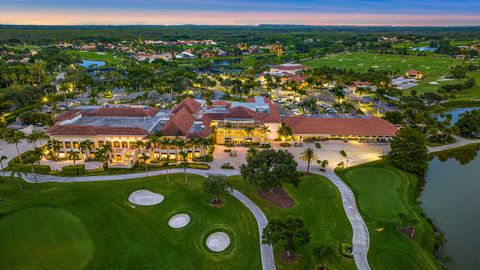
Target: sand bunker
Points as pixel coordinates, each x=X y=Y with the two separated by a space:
x=218 y=241
x=145 y=197
x=179 y=221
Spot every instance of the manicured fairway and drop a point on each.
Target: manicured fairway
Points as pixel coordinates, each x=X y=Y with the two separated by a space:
x=382 y=192
x=318 y=203
x=433 y=67
x=97 y=56
x=93 y=226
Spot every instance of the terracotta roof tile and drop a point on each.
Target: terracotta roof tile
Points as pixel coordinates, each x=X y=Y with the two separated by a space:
x=67 y=115
x=371 y=126
x=179 y=124
x=188 y=103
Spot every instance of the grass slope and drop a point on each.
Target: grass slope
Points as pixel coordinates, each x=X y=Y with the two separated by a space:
x=97 y=56
x=382 y=192
x=66 y=225
x=432 y=66
x=318 y=203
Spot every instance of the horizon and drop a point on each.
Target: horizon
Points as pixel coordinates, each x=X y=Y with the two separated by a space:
x=241 y=12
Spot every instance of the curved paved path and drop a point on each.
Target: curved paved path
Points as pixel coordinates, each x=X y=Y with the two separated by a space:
x=266 y=251
x=361 y=238
x=459 y=143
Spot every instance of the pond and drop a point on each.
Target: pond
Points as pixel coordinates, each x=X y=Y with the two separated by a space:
x=455 y=114
x=451 y=199
x=91 y=63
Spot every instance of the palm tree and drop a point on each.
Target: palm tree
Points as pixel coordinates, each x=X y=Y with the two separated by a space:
x=144 y=159
x=323 y=164
x=360 y=91
x=2 y=158
x=84 y=147
x=156 y=142
x=228 y=127
x=16 y=139
x=179 y=144
x=308 y=155
x=166 y=164
x=284 y=132
x=264 y=130
x=73 y=155
x=54 y=146
x=19 y=176
x=183 y=154
x=381 y=94
x=249 y=130
x=35 y=136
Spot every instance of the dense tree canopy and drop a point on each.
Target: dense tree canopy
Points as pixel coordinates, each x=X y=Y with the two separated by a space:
x=269 y=169
x=409 y=151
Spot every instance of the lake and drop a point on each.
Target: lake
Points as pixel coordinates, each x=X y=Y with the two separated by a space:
x=451 y=199
x=456 y=114
x=91 y=63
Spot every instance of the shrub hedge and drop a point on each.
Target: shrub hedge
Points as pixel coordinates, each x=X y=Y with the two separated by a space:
x=73 y=170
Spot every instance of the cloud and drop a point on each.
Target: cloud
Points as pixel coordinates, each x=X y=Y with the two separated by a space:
x=118 y=17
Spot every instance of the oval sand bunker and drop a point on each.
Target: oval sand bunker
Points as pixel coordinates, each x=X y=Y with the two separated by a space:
x=218 y=241
x=145 y=197
x=179 y=221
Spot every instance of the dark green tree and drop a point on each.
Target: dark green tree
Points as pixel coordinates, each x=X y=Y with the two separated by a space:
x=409 y=151
x=269 y=169
x=289 y=232
x=217 y=185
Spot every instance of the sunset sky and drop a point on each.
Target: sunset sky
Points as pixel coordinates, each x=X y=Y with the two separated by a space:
x=251 y=12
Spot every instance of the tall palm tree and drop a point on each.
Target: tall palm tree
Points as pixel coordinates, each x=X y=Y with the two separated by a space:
x=249 y=130
x=156 y=142
x=2 y=158
x=16 y=139
x=183 y=154
x=179 y=145
x=35 y=136
x=264 y=130
x=284 y=132
x=54 y=146
x=19 y=176
x=228 y=127
x=144 y=159
x=84 y=147
x=308 y=155
x=73 y=155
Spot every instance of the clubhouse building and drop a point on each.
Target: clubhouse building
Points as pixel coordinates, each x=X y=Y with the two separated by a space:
x=129 y=129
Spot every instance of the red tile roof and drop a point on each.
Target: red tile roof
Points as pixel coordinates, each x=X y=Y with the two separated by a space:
x=412 y=72
x=94 y=130
x=241 y=112
x=290 y=67
x=361 y=83
x=67 y=115
x=371 y=126
x=188 y=103
x=123 y=112
x=179 y=124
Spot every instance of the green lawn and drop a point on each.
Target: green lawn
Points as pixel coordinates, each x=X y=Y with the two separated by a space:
x=97 y=56
x=93 y=226
x=433 y=67
x=318 y=203
x=383 y=192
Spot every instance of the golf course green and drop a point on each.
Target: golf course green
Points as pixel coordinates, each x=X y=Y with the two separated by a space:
x=383 y=195
x=92 y=225
x=318 y=204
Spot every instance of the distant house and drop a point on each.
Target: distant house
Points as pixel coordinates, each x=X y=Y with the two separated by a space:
x=222 y=53
x=414 y=74
x=185 y=55
x=359 y=84
x=207 y=55
x=288 y=68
